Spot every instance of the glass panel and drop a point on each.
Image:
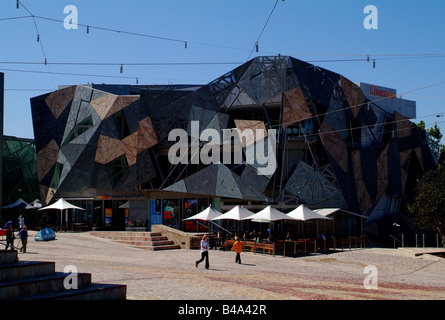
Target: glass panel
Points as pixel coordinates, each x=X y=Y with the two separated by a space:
x=171 y=212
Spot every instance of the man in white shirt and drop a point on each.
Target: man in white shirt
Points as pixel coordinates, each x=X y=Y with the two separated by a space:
x=204 y=252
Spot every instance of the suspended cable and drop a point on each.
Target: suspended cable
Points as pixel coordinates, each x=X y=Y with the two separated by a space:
x=39 y=40
x=70 y=74
x=255 y=47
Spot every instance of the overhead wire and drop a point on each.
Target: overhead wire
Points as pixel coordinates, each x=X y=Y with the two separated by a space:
x=255 y=47
x=88 y=26
x=39 y=40
x=47 y=63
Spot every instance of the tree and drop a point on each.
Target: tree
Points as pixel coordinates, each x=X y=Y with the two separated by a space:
x=428 y=210
x=435 y=132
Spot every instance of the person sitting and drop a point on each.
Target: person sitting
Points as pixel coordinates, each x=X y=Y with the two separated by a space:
x=288 y=237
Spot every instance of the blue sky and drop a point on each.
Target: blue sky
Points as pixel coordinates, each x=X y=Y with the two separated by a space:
x=221 y=33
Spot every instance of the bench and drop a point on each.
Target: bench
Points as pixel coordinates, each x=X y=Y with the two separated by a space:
x=292 y=247
x=253 y=246
x=307 y=245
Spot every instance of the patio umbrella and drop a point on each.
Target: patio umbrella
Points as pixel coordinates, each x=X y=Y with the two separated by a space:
x=20 y=204
x=303 y=213
x=36 y=204
x=268 y=214
x=207 y=214
x=61 y=205
x=236 y=213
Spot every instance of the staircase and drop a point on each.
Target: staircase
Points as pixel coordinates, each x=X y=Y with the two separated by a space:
x=141 y=240
x=38 y=280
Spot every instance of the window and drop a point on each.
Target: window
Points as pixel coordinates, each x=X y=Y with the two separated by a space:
x=116 y=169
x=56 y=176
x=121 y=124
x=79 y=128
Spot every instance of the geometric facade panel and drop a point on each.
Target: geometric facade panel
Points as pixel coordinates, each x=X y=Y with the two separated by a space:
x=309 y=186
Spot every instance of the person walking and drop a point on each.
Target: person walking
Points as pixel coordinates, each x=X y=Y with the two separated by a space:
x=21 y=222
x=204 y=252
x=23 y=234
x=238 y=248
x=10 y=237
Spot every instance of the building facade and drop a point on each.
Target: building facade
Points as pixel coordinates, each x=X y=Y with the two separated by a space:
x=19 y=179
x=336 y=144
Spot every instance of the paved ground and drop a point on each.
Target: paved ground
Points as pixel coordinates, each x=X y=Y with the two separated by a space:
x=168 y=275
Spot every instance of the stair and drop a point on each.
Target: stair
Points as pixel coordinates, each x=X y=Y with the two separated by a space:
x=38 y=280
x=141 y=240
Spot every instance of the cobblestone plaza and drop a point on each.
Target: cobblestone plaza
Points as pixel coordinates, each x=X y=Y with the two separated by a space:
x=171 y=275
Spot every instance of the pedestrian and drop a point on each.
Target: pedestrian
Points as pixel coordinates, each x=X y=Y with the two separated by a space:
x=21 y=222
x=44 y=221
x=238 y=248
x=10 y=237
x=204 y=252
x=23 y=234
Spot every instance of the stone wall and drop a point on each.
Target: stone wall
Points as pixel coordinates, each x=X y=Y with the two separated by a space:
x=185 y=239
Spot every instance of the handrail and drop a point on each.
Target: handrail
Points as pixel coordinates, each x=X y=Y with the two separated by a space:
x=214 y=224
x=395 y=239
x=9 y=246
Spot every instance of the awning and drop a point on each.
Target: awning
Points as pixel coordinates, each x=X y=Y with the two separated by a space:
x=330 y=211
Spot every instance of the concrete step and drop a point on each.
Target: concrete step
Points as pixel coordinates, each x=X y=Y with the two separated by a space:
x=16 y=288
x=142 y=240
x=34 y=280
x=26 y=269
x=149 y=243
x=96 y=291
x=112 y=234
x=8 y=256
x=157 y=247
x=123 y=238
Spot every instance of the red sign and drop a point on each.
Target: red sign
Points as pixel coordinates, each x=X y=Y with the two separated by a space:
x=381 y=93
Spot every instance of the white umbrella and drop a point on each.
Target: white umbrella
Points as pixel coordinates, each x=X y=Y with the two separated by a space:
x=268 y=214
x=303 y=213
x=236 y=213
x=207 y=214
x=36 y=204
x=61 y=205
